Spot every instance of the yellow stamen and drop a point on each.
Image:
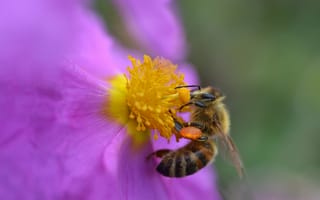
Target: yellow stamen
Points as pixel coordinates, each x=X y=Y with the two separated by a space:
x=148 y=96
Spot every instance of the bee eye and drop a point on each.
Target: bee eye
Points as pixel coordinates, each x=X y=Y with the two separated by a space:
x=208 y=96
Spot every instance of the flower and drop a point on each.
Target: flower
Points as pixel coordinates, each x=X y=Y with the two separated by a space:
x=55 y=142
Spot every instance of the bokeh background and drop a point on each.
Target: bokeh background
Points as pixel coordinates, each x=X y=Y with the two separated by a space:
x=265 y=56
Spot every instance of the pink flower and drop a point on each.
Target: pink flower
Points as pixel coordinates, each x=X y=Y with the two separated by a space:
x=55 y=57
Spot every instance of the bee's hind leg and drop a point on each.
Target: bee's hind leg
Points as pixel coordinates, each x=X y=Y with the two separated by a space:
x=159 y=153
x=202 y=127
x=198 y=125
x=202 y=138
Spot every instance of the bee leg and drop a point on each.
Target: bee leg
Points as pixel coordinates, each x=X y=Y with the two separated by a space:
x=159 y=153
x=177 y=125
x=202 y=138
x=185 y=105
x=200 y=104
x=200 y=126
x=196 y=103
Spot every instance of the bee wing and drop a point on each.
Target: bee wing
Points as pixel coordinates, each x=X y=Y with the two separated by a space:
x=230 y=150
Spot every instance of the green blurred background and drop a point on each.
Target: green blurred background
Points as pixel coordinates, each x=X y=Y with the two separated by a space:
x=265 y=56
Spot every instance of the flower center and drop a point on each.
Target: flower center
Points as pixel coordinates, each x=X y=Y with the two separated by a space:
x=148 y=96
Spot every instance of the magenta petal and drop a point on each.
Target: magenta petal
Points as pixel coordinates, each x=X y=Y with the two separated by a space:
x=52 y=136
x=39 y=141
x=191 y=74
x=137 y=177
x=53 y=131
x=201 y=185
x=155 y=26
x=93 y=49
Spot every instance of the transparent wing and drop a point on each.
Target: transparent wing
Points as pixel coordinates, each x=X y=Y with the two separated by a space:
x=230 y=151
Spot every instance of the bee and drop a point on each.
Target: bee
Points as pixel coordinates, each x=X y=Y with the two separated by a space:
x=209 y=125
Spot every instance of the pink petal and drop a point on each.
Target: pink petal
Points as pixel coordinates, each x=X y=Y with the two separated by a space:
x=137 y=177
x=201 y=185
x=50 y=147
x=155 y=26
x=191 y=74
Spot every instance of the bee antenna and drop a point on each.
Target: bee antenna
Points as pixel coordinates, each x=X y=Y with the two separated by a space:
x=186 y=86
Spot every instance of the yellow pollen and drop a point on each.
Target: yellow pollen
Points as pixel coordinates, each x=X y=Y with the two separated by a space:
x=151 y=96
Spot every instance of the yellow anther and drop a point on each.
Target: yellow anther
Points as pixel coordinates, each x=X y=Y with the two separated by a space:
x=131 y=116
x=184 y=95
x=155 y=136
x=149 y=96
x=144 y=107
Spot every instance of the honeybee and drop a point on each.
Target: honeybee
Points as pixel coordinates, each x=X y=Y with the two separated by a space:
x=208 y=126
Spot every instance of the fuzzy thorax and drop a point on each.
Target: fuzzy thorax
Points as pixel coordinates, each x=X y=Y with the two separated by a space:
x=147 y=98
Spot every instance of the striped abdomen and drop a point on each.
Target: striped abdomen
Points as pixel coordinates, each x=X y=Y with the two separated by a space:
x=188 y=159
